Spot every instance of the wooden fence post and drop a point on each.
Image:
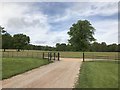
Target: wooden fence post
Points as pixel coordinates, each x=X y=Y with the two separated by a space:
x=43 y=55
x=83 y=57
x=58 y=56
x=54 y=56
x=48 y=56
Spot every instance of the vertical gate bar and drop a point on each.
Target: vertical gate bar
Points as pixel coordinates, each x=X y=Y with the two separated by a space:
x=43 y=55
x=54 y=56
x=83 y=57
x=48 y=56
x=58 y=56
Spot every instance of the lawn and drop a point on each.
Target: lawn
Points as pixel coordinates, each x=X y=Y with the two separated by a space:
x=98 y=75
x=14 y=66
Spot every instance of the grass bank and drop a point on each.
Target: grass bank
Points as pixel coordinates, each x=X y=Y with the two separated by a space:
x=14 y=66
x=98 y=75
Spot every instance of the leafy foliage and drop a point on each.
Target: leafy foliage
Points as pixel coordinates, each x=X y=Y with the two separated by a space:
x=81 y=34
x=20 y=40
x=7 y=41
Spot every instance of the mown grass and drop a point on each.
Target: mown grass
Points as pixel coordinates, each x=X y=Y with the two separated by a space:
x=14 y=66
x=98 y=75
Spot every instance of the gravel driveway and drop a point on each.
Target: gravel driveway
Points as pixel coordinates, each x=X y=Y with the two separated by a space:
x=60 y=74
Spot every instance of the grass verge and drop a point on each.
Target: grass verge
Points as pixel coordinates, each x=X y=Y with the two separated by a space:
x=98 y=75
x=14 y=66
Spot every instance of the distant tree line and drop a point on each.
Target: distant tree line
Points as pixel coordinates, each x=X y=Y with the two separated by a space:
x=93 y=47
x=19 y=42
x=39 y=47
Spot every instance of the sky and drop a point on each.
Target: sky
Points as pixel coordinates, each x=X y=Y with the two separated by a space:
x=47 y=23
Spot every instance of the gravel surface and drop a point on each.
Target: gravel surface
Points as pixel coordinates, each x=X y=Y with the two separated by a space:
x=60 y=74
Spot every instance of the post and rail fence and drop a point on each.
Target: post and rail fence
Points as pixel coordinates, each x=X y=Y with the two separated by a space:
x=55 y=55
x=51 y=56
x=27 y=54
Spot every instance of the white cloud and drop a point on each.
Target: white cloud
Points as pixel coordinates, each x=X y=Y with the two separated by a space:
x=87 y=9
x=23 y=18
x=9 y=10
x=59 y=0
x=106 y=31
x=17 y=19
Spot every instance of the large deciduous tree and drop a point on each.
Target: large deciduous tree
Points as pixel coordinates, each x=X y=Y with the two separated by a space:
x=61 y=47
x=7 y=41
x=81 y=34
x=20 y=41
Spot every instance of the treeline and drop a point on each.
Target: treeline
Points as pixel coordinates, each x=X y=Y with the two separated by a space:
x=39 y=47
x=103 y=47
x=19 y=42
x=94 y=47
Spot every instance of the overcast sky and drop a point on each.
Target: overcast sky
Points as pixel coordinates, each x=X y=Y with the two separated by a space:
x=47 y=23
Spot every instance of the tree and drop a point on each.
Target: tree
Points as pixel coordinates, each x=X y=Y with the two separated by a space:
x=103 y=47
x=61 y=47
x=113 y=47
x=95 y=47
x=57 y=46
x=81 y=34
x=7 y=41
x=20 y=41
x=2 y=31
x=70 y=47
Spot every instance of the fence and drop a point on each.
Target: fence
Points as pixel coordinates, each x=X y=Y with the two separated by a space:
x=51 y=56
x=22 y=54
x=32 y=54
x=39 y=54
x=101 y=56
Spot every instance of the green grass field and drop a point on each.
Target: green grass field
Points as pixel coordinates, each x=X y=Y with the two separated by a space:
x=14 y=66
x=98 y=75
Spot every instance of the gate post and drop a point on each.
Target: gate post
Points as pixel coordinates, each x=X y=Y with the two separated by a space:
x=54 y=56
x=83 y=57
x=43 y=55
x=50 y=56
x=58 y=56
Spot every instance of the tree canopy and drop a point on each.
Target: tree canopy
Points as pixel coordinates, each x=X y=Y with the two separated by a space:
x=20 y=41
x=7 y=41
x=81 y=34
